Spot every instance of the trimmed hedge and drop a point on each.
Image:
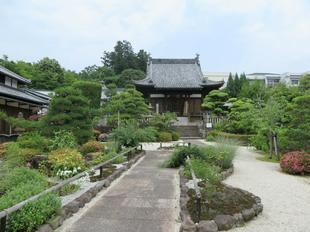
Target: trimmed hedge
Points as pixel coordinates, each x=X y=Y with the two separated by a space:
x=92 y=146
x=243 y=138
x=164 y=137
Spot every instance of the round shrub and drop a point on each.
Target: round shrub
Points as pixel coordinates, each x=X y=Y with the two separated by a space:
x=29 y=153
x=295 y=162
x=92 y=146
x=164 y=137
x=178 y=157
x=33 y=140
x=66 y=159
x=175 y=136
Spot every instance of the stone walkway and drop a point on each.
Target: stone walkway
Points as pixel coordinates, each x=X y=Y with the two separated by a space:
x=286 y=198
x=145 y=199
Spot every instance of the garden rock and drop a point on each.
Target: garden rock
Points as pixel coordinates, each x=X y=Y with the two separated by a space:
x=55 y=222
x=258 y=208
x=45 y=228
x=207 y=226
x=238 y=219
x=224 y=222
x=72 y=207
x=188 y=228
x=248 y=214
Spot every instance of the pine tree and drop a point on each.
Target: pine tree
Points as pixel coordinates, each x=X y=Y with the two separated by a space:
x=237 y=85
x=230 y=86
x=69 y=110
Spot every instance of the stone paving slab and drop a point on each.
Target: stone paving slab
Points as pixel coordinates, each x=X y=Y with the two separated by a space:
x=145 y=199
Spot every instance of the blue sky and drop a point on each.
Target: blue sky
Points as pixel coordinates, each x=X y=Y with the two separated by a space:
x=230 y=35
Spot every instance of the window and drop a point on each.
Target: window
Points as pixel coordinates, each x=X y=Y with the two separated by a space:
x=272 y=82
x=295 y=82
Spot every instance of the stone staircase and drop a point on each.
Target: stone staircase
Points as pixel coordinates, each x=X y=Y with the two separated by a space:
x=188 y=131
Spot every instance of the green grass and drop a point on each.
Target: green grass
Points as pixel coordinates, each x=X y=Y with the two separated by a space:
x=265 y=158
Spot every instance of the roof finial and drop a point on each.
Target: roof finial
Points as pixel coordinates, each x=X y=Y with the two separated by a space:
x=197 y=58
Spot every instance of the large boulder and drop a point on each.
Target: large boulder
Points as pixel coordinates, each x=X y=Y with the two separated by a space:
x=224 y=222
x=207 y=226
x=248 y=214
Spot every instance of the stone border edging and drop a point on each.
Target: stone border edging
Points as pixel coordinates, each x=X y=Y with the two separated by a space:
x=220 y=222
x=67 y=210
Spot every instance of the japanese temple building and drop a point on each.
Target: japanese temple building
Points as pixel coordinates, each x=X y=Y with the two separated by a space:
x=176 y=85
x=18 y=101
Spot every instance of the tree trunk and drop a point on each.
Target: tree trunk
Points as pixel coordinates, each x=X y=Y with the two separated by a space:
x=275 y=141
x=270 y=145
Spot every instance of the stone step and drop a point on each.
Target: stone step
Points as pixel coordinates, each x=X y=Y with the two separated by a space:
x=188 y=131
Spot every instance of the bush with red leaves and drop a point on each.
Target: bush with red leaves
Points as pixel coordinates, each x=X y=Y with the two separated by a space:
x=296 y=162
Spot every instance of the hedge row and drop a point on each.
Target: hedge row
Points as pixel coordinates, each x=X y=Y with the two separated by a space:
x=243 y=138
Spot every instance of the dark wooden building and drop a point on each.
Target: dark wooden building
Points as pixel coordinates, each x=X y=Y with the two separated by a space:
x=16 y=100
x=176 y=85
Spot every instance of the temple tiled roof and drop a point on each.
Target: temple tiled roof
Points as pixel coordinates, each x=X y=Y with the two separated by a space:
x=13 y=75
x=22 y=95
x=175 y=74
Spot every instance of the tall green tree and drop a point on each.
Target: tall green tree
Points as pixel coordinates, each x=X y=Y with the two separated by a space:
x=91 y=91
x=124 y=106
x=123 y=57
x=230 y=89
x=69 y=110
x=237 y=85
x=215 y=101
x=299 y=126
x=96 y=73
x=128 y=75
x=48 y=74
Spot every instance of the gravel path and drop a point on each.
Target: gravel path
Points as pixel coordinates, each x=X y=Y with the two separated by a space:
x=286 y=198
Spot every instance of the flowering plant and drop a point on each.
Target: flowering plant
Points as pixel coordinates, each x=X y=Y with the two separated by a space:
x=66 y=173
x=296 y=162
x=66 y=162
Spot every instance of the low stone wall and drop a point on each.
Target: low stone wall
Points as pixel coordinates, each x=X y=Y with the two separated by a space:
x=220 y=222
x=73 y=206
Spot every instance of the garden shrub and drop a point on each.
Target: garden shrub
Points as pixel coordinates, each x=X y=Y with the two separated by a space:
x=203 y=170
x=260 y=141
x=175 y=136
x=22 y=176
x=68 y=189
x=66 y=162
x=63 y=139
x=296 y=162
x=164 y=137
x=179 y=155
x=163 y=122
x=35 y=213
x=91 y=146
x=243 y=138
x=4 y=148
x=129 y=134
x=19 y=194
x=33 y=140
x=14 y=157
x=29 y=153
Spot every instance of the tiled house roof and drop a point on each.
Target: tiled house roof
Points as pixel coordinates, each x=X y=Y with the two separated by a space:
x=175 y=74
x=13 y=75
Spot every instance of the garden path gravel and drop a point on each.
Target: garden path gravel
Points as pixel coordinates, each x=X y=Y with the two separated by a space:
x=286 y=198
